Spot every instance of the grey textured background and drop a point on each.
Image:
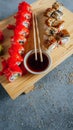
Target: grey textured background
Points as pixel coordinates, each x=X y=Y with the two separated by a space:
x=50 y=105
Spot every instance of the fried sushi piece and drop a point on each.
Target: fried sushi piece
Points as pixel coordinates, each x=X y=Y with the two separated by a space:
x=49 y=21
x=50 y=43
x=58 y=24
x=48 y=12
x=63 y=37
x=57 y=6
x=51 y=31
x=57 y=14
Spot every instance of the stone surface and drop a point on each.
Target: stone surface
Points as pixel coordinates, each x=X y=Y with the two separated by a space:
x=50 y=105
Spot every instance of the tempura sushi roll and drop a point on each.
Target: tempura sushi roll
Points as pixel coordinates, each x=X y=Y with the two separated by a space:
x=57 y=6
x=50 y=43
x=48 y=12
x=63 y=37
x=13 y=73
x=51 y=31
x=49 y=21
x=58 y=24
x=57 y=15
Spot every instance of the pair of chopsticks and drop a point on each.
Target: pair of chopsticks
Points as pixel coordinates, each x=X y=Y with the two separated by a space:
x=36 y=38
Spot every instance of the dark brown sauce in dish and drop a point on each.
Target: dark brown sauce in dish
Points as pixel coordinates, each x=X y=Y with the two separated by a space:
x=37 y=65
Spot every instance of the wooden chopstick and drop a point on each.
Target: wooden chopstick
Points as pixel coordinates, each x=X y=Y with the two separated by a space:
x=34 y=35
x=38 y=38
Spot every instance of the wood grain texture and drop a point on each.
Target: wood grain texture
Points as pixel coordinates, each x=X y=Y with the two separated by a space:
x=22 y=84
x=31 y=88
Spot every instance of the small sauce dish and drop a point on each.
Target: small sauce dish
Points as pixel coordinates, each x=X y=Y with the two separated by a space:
x=36 y=66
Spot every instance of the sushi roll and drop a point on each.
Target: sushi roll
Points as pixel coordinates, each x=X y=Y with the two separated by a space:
x=14 y=59
x=50 y=43
x=57 y=15
x=19 y=38
x=16 y=47
x=25 y=14
x=24 y=6
x=58 y=24
x=57 y=6
x=63 y=37
x=21 y=30
x=28 y=16
x=13 y=73
x=1 y=50
x=51 y=31
x=49 y=21
x=49 y=12
x=26 y=23
x=23 y=22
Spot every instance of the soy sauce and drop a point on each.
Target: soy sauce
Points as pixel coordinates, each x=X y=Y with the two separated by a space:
x=37 y=65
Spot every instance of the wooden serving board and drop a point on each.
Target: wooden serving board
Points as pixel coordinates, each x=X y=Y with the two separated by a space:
x=23 y=84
